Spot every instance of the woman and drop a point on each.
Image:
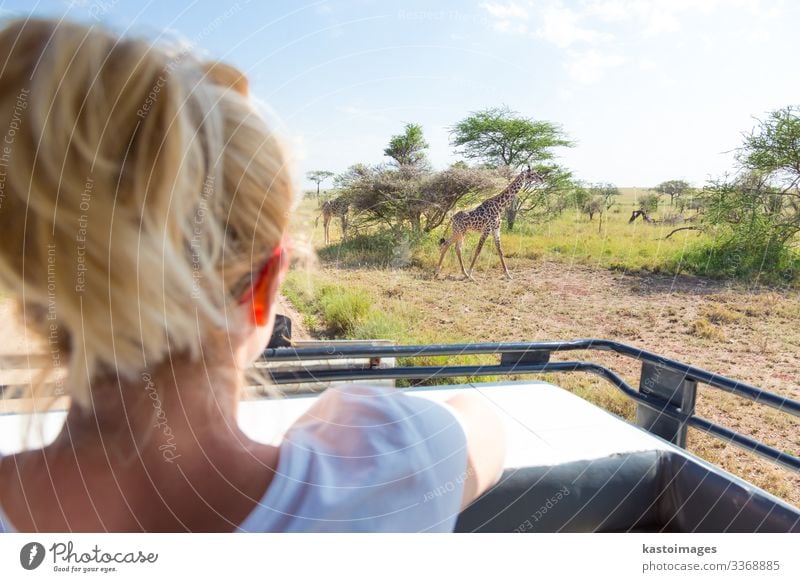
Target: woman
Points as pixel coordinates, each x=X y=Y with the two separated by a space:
x=142 y=230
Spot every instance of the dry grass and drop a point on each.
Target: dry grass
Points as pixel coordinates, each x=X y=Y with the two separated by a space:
x=720 y=314
x=747 y=333
x=705 y=329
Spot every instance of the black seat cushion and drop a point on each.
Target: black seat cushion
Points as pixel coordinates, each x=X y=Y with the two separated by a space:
x=657 y=490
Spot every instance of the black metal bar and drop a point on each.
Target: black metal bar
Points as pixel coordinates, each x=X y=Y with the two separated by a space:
x=519 y=364
x=714 y=380
x=658 y=405
x=301 y=375
x=747 y=443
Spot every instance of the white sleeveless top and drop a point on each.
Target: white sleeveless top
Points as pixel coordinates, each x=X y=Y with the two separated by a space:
x=364 y=459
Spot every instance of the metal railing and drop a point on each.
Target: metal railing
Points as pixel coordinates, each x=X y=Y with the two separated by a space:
x=665 y=398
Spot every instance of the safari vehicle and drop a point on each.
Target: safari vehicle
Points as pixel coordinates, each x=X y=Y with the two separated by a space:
x=571 y=466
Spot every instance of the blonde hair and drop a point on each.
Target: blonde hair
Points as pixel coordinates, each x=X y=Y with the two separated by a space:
x=140 y=189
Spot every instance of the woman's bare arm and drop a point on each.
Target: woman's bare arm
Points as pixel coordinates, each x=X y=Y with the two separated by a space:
x=486 y=444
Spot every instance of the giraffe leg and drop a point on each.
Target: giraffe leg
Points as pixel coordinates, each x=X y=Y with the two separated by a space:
x=326 y=225
x=477 y=252
x=500 y=252
x=445 y=247
x=344 y=227
x=459 y=244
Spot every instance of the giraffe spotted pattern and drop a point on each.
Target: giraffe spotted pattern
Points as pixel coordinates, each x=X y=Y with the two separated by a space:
x=331 y=208
x=485 y=219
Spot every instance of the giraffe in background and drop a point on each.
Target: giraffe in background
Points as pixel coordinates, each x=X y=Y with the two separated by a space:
x=331 y=208
x=486 y=219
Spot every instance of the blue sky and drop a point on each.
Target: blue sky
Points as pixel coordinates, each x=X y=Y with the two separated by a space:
x=649 y=90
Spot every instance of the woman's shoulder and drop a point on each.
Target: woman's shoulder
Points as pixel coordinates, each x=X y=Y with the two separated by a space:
x=360 y=407
x=367 y=458
x=378 y=421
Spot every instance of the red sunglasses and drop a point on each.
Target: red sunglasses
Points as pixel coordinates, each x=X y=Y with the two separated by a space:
x=257 y=292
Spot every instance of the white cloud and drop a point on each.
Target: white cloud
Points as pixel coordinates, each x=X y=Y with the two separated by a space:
x=656 y=17
x=647 y=64
x=666 y=81
x=361 y=113
x=591 y=65
x=565 y=94
x=595 y=35
x=560 y=26
x=509 y=17
x=508 y=26
x=610 y=10
x=512 y=10
x=758 y=35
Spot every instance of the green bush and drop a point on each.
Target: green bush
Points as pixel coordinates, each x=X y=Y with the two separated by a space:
x=378 y=325
x=343 y=309
x=648 y=203
x=743 y=258
x=755 y=216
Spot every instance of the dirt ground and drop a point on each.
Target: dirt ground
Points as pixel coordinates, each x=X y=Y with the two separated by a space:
x=742 y=332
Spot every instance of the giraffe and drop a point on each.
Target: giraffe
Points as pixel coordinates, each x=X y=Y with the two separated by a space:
x=336 y=207
x=485 y=219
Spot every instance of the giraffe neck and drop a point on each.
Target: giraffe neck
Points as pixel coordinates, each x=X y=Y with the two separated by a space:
x=506 y=196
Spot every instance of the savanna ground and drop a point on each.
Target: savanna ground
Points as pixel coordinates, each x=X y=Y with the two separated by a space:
x=574 y=279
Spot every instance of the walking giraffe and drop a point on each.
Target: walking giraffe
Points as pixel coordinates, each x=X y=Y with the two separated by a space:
x=336 y=207
x=485 y=219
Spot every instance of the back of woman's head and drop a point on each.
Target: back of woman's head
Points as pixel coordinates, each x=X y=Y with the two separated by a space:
x=139 y=190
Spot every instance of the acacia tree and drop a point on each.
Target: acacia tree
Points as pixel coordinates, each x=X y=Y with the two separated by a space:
x=351 y=175
x=389 y=196
x=441 y=191
x=756 y=213
x=772 y=148
x=648 y=203
x=674 y=189
x=547 y=200
x=409 y=198
x=500 y=137
x=593 y=206
x=408 y=148
x=319 y=176
x=579 y=196
x=602 y=197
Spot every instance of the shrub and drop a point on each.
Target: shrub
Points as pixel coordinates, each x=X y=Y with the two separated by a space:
x=378 y=325
x=743 y=258
x=648 y=203
x=343 y=309
x=756 y=215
